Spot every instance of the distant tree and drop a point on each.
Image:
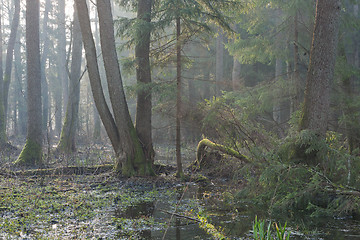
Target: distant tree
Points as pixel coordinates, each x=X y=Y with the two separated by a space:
x=44 y=57
x=31 y=153
x=69 y=129
x=119 y=127
x=321 y=67
x=3 y=138
x=5 y=77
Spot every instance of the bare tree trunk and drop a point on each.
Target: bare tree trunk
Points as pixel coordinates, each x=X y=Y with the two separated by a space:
x=3 y=138
x=10 y=54
x=67 y=137
x=62 y=86
x=21 y=99
x=143 y=76
x=32 y=151
x=321 y=67
x=179 y=172
x=44 y=57
x=130 y=155
x=219 y=69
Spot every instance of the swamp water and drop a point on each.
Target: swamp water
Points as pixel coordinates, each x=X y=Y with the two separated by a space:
x=75 y=208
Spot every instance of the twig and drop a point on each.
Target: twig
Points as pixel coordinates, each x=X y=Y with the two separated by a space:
x=180 y=216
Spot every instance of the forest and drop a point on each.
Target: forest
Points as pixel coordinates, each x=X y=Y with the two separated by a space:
x=180 y=119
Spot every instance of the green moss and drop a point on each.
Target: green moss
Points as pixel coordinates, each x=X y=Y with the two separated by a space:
x=137 y=164
x=31 y=155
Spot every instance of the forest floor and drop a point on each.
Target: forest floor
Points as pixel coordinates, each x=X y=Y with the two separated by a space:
x=93 y=204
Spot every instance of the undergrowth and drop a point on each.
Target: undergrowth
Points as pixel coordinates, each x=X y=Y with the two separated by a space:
x=293 y=173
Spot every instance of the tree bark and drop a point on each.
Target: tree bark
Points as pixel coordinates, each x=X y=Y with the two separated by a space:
x=130 y=155
x=44 y=57
x=62 y=67
x=143 y=77
x=179 y=172
x=219 y=69
x=3 y=138
x=10 y=54
x=67 y=137
x=32 y=151
x=321 y=67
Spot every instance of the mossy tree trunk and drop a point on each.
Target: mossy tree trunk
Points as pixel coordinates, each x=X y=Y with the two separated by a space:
x=68 y=132
x=32 y=152
x=119 y=127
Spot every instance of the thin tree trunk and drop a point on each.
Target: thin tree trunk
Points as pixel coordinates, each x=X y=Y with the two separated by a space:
x=219 y=69
x=143 y=76
x=179 y=172
x=10 y=54
x=67 y=137
x=32 y=151
x=3 y=138
x=21 y=99
x=62 y=68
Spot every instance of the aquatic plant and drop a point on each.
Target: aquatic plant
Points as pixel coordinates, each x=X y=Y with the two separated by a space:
x=263 y=232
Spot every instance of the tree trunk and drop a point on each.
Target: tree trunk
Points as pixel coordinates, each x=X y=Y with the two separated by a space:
x=44 y=57
x=10 y=54
x=62 y=68
x=3 y=138
x=321 y=67
x=67 y=137
x=143 y=77
x=219 y=69
x=120 y=129
x=21 y=99
x=236 y=75
x=32 y=151
x=179 y=172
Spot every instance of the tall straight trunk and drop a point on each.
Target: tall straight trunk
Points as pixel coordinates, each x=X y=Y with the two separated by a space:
x=219 y=69
x=3 y=138
x=296 y=78
x=21 y=99
x=67 y=137
x=44 y=57
x=321 y=67
x=10 y=54
x=61 y=96
x=120 y=129
x=32 y=151
x=143 y=77
x=179 y=172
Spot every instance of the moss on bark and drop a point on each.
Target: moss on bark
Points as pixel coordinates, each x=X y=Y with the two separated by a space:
x=136 y=163
x=31 y=155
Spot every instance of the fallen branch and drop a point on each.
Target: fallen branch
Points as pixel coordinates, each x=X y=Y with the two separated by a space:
x=180 y=216
x=71 y=170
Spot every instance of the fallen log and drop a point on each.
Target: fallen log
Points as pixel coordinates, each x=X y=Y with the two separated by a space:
x=206 y=143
